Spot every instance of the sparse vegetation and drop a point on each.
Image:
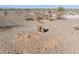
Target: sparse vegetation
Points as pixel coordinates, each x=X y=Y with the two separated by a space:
x=40 y=18
x=60 y=9
x=5 y=13
x=29 y=19
x=51 y=19
x=35 y=31
x=50 y=13
x=60 y=12
x=9 y=27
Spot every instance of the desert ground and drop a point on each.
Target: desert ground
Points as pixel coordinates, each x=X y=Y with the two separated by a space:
x=22 y=32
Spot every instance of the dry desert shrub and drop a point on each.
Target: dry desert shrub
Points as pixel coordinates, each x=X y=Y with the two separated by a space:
x=39 y=17
x=35 y=17
x=52 y=19
x=46 y=17
x=50 y=13
x=42 y=17
x=5 y=13
x=29 y=19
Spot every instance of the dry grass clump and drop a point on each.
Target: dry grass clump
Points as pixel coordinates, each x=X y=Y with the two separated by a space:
x=46 y=16
x=5 y=13
x=36 y=17
x=43 y=17
x=29 y=19
x=9 y=26
x=39 y=17
x=51 y=19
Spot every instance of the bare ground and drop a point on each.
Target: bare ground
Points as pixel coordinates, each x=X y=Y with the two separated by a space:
x=20 y=36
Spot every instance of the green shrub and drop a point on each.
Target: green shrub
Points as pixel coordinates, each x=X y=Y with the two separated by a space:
x=60 y=9
x=60 y=12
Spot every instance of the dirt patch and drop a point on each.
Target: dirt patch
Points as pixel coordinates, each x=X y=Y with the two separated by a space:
x=35 y=43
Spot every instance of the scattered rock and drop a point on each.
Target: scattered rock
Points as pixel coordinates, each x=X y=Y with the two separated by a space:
x=76 y=27
x=42 y=29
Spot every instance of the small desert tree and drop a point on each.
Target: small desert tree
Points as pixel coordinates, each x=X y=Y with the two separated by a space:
x=60 y=12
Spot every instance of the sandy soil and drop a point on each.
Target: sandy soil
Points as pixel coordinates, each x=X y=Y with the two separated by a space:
x=20 y=36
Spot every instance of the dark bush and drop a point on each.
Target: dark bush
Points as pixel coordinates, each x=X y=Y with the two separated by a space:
x=29 y=19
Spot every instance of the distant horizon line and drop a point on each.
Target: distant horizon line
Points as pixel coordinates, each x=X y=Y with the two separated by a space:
x=40 y=6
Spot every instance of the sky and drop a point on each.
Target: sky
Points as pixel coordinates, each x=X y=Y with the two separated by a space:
x=39 y=6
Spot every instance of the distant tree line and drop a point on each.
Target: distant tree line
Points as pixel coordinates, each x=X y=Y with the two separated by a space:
x=24 y=9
